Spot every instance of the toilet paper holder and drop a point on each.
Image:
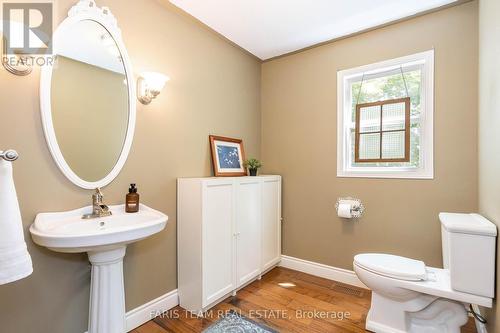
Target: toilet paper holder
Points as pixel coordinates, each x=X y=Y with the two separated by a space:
x=357 y=208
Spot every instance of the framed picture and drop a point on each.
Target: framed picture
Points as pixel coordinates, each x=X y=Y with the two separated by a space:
x=228 y=156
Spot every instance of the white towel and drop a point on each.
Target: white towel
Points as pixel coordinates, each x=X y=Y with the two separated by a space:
x=15 y=261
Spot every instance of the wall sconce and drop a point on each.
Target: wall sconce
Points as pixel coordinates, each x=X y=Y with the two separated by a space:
x=16 y=64
x=149 y=85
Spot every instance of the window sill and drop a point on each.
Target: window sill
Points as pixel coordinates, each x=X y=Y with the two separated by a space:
x=402 y=173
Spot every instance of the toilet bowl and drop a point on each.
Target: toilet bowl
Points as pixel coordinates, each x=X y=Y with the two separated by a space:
x=396 y=307
x=408 y=296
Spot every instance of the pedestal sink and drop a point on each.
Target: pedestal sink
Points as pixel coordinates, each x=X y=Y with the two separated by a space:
x=105 y=240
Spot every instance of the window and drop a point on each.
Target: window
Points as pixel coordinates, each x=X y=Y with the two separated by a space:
x=385 y=119
x=382 y=131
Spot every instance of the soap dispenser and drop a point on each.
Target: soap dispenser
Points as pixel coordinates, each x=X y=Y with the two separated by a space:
x=132 y=200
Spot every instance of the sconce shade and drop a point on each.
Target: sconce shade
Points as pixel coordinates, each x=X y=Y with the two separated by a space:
x=155 y=81
x=149 y=85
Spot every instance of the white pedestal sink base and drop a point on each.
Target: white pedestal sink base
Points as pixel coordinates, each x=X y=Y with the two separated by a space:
x=107 y=294
x=105 y=240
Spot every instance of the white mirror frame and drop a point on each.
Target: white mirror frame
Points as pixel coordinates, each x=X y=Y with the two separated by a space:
x=87 y=10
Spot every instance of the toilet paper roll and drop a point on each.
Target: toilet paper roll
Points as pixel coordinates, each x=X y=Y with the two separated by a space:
x=344 y=210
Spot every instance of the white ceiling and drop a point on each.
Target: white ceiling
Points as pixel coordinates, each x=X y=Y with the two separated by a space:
x=269 y=28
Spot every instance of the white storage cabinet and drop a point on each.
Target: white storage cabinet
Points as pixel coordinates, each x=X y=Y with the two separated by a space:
x=228 y=234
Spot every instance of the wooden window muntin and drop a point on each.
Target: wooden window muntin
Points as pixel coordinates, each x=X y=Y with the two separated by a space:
x=406 y=130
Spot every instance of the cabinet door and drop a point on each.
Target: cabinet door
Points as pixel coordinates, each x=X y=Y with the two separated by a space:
x=248 y=230
x=218 y=240
x=271 y=222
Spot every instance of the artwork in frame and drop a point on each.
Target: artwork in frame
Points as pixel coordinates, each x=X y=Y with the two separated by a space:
x=227 y=156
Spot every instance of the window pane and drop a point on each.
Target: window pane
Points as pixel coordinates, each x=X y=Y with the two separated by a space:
x=414 y=152
x=369 y=119
x=393 y=145
x=393 y=116
x=415 y=145
x=369 y=146
x=388 y=87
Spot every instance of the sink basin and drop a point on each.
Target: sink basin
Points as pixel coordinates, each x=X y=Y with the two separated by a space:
x=105 y=240
x=68 y=232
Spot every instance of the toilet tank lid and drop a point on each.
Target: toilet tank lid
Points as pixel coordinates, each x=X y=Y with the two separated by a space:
x=473 y=224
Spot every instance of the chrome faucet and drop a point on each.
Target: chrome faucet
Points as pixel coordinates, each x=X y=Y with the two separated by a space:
x=99 y=209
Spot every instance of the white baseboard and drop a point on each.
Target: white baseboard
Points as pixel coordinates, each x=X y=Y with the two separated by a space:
x=321 y=270
x=146 y=312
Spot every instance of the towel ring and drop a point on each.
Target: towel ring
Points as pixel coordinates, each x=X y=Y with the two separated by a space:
x=9 y=155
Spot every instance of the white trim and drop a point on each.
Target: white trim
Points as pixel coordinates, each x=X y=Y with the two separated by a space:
x=426 y=169
x=148 y=311
x=328 y=272
x=79 y=12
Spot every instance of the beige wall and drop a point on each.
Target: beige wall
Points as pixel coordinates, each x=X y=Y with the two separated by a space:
x=299 y=141
x=214 y=88
x=489 y=124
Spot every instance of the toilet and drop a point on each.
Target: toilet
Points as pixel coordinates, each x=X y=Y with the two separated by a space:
x=408 y=296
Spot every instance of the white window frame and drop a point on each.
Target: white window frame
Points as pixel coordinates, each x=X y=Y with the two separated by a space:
x=425 y=170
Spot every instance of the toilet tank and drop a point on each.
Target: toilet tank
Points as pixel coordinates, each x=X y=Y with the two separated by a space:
x=469 y=252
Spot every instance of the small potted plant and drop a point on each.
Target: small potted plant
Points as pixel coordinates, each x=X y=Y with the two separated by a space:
x=253 y=165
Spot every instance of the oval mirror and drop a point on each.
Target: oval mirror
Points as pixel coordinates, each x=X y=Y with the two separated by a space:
x=88 y=97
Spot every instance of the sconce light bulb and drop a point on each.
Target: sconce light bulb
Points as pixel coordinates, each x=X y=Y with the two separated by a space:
x=149 y=85
x=155 y=81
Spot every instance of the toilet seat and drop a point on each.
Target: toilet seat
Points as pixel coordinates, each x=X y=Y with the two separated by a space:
x=392 y=266
x=437 y=284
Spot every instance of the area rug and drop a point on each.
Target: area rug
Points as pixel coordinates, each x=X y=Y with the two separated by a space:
x=233 y=322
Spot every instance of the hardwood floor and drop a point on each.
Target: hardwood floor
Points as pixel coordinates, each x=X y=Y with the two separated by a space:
x=287 y=301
